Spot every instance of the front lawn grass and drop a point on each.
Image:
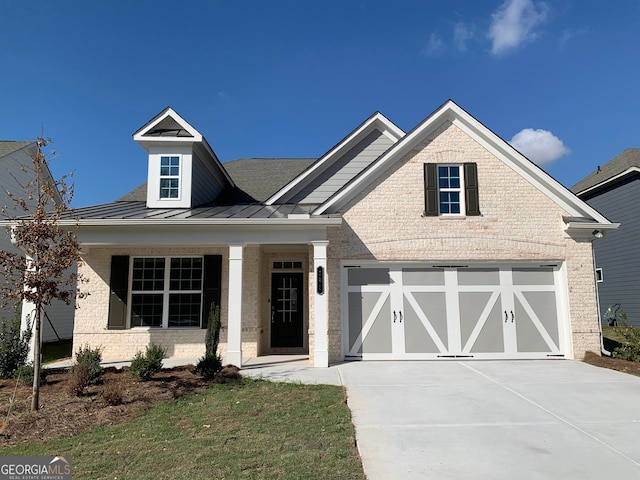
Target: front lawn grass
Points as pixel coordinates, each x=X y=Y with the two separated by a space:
x=246 y=429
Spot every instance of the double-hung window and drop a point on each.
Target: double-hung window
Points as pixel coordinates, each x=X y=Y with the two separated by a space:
x=166 y=292
x=450 y=197
x=170 y=176
x=451 y=190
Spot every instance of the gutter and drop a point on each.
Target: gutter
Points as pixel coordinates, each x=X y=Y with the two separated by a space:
x=202 y=222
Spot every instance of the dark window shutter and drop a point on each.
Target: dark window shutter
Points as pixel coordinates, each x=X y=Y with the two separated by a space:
x=472 y=200
x=211 y=285
x=119 y=287
x=430 y=190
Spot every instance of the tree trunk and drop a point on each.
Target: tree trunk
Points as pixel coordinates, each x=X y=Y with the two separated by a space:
x=37 y=360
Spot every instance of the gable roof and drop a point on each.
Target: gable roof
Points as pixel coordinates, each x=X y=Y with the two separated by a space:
x=167 y=124
x=628 y=162
x=7 y=147
x=377 y=121
x=451 y=112
x=22 y=152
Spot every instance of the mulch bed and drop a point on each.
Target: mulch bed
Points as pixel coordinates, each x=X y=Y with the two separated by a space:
x=63 y=415
x=612 y=363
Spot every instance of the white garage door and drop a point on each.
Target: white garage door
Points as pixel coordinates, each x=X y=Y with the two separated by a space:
x=431 y=313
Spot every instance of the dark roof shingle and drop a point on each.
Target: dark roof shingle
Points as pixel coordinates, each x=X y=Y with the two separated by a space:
x=9 y=146
x=256 y=179
x=629 y=158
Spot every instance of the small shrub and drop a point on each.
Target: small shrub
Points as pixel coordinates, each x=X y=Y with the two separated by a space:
x=24 y=374
x=209 y=365
x=78 y=379
x=90 y=358
x=212 y=336
x=112 y=393
x=14 y=345
x=146 y=365
x=630 y=348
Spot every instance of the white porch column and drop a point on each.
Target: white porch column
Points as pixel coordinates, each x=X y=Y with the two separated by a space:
x=320 y=306
x=234 y=313
x=28 y=312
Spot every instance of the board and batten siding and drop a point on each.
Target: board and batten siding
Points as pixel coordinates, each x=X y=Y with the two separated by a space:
x=618 y=254
x=336 y=175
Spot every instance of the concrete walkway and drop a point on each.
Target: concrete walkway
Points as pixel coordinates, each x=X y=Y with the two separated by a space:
x=485 y=419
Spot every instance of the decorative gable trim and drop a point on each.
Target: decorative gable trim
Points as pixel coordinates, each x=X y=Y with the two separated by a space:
x=453 y=113
x=183 y=131
x=377 y=121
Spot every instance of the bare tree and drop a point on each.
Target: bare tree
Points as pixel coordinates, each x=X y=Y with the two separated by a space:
x=42 y=272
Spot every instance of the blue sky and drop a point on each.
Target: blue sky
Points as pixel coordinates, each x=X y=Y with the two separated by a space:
x=560 y=79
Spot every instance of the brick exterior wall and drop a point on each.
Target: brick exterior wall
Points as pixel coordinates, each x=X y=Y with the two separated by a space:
x=92 y=312
x=518 y=222
x=90 y=327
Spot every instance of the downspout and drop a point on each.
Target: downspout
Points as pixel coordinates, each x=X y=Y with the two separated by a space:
x=603 y=351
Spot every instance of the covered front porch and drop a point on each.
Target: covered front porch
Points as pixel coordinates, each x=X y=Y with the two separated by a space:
x=270 y=283
x=277 y=302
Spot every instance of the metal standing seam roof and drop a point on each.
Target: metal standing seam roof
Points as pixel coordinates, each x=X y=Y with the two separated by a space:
x=139 y=211
x=627 y=159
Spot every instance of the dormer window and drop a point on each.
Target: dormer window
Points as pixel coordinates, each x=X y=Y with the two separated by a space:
x=170 y=177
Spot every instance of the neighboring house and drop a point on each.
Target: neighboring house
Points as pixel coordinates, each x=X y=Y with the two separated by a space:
x=16 y=169
x=614 y=190
x=443 y=242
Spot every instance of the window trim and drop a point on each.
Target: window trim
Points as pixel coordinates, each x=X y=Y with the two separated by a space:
x=170 y=177
x=461 y=190
x=165 y=292
x=599 y=275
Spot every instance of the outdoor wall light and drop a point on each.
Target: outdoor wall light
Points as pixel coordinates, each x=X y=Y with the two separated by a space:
x=597 y=234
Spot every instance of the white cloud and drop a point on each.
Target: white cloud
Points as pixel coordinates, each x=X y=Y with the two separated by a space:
x=461 y=33
x=435 y=47
x=570 y=34
x=539 y=146
x=514 y=23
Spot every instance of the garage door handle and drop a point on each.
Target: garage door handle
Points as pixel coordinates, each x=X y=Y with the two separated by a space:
x=506 y=316
x=400 y=312
x=511 y=316
x=394 y=316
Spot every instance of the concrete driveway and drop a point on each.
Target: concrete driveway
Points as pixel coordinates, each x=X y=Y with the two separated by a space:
x=486 y=419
